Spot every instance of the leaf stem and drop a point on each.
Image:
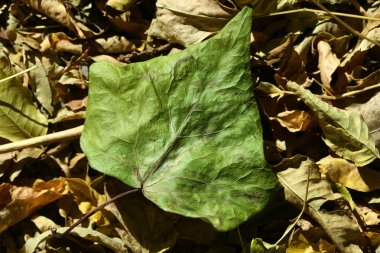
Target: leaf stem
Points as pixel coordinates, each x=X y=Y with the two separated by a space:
x=98 y=208
x=65 y=135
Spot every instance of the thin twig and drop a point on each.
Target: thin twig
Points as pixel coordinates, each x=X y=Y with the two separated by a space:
x=344 y=24
x=17 y=74
x=241 y=240
x=350 y=93
x=318 y=12
x=65 y=135
x=97 y=209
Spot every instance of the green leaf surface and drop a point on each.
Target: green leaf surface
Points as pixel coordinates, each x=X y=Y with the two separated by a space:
x=344 y=131
x=185 y=128
x=19 y=117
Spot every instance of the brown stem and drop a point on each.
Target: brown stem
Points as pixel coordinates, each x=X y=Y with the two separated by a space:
x=98 y=208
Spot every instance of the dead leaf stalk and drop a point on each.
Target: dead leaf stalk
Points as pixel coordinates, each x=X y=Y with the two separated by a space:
x=97 y=209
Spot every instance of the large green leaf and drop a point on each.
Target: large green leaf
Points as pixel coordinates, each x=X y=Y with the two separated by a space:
x=344 y=131
x=19 y=117
x=185 y=128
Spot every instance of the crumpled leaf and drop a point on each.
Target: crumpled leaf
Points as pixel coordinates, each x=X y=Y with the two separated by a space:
x=185 y=128
x=341 y=171
x=344 y=131
x=290 y=66
x=339 y=224
x=187 y=22
x=19 y=117
x=115 y=244
x=328 y=62
x=18 y=202
x=293 y=120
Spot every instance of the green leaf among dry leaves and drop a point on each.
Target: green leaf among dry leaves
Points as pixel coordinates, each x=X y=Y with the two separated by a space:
x=184 y=128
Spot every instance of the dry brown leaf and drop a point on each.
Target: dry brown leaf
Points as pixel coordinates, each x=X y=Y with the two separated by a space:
x=341 y=171
x=129 y=20
x=290 y=66
x=110 y=45
x=173 y=22
x=327 y=63
x=18 y=202
x=57 y=11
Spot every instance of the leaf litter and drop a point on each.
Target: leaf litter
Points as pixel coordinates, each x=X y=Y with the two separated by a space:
x=302 y=91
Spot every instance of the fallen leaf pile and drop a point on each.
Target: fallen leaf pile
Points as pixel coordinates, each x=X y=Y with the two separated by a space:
x=229 y=126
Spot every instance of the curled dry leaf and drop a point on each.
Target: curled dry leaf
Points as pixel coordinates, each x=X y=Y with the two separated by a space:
x=294 y=120
x=341 y=171
x=344 y=131
x=289 y=64
x=327 y=63
x=18 y=202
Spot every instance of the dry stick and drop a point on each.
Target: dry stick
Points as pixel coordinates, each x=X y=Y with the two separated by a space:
x=318 y=12
x=17 y=74
x=344 y=24
x=350 y=93
x=65 y=135
x=98 y=208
